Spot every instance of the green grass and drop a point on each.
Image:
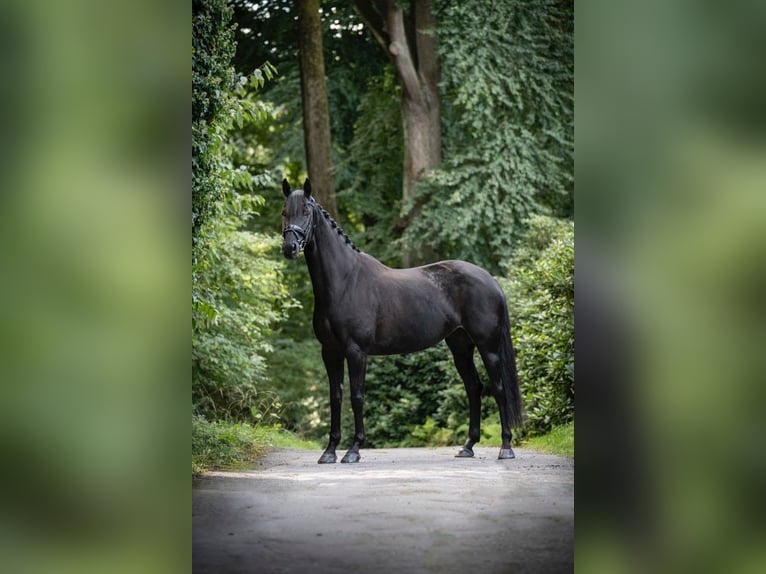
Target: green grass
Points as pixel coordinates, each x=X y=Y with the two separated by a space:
x=279 y=437
x=223 y=445
x=560 y=441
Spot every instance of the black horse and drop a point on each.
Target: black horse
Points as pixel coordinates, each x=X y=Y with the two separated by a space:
x=362 y=307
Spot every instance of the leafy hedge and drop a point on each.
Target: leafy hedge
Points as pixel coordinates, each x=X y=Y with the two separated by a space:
x=228 y=351
x=540 y=292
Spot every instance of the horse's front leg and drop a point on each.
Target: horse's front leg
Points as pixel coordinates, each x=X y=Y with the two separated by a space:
x=333 y=362
x=357 y=368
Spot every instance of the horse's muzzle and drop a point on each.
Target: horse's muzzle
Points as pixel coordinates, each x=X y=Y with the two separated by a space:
x=290 y=250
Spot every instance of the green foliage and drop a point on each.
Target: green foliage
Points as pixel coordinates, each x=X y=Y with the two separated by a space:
x=276 y=436
x=560 y=441
x=403 y=391
x=220 y=100
x=507 y=125
x=372 y=203
x=237 y=288
x=419 y=399
x=507 y=80
x=297 y=375
x=224 y=445
x=212 y=82
x=430 y=433
x=540 y=295
x=249 y=296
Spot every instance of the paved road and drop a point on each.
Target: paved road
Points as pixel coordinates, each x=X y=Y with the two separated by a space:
x=398 y=510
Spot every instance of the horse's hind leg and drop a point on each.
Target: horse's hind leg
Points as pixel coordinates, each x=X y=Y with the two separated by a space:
x=462 y=351
x=493 y=366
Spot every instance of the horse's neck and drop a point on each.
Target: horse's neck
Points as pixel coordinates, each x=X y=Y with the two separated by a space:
x=331 y=263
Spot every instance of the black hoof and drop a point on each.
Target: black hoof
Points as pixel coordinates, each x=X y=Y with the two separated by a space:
x=465 y=452
x=351 y=457
x=327 y=457
x=506 y=453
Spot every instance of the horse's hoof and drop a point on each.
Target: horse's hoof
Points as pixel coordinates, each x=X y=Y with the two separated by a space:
x=327 y=457
x=506 y=453
x=465 y=452
x=351 y=457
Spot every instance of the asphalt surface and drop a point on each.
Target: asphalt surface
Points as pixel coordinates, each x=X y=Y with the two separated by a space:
x=398 y=510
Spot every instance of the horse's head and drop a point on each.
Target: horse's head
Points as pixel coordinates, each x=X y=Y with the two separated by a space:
x=297 y=219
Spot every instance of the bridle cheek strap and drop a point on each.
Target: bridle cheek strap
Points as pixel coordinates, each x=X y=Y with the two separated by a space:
x=301 y=233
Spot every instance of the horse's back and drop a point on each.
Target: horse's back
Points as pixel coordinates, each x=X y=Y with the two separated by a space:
x=463 y=278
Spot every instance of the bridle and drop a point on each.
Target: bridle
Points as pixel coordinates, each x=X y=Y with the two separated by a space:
x=302 y=234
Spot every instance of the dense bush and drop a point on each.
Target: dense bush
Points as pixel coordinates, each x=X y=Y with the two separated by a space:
x=228 y=365
x=540 y=292
x=404 y=391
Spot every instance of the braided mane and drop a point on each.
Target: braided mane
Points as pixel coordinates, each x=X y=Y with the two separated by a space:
x=335 y=226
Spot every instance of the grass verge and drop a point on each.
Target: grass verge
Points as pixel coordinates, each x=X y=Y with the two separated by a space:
x=560 y=441
x=223 y=445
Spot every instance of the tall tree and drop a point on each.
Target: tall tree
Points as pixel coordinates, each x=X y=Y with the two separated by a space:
x=508 y=93
x=316 y=116
x=410 y=41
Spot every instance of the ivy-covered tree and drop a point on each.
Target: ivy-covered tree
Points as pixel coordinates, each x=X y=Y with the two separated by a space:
x=212 y=81
x=508 y=89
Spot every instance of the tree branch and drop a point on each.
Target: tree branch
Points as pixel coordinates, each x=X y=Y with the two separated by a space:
x=400 y=52
x=372 y=14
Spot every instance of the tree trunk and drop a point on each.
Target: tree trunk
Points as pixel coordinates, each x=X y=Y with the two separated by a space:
x=411 y=45
x=420 y=101
x=316 y=115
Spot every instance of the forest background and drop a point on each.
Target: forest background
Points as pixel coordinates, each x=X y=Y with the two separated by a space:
x=671 y=141
x=449 y=128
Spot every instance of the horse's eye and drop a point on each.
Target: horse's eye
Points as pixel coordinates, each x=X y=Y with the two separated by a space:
x=284 y=213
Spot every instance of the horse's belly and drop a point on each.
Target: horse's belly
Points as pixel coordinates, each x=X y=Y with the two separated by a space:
x=399 y=334
x=398 y=348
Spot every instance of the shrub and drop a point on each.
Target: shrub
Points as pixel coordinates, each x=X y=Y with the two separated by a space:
x=540 y=291
x=224 y=445
x=228 y=351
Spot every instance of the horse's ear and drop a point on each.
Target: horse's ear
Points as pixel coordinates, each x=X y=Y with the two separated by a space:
x=285 y=187
x=307 y=188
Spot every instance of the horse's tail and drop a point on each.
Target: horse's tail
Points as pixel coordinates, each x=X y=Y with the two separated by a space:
x=509 y=376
